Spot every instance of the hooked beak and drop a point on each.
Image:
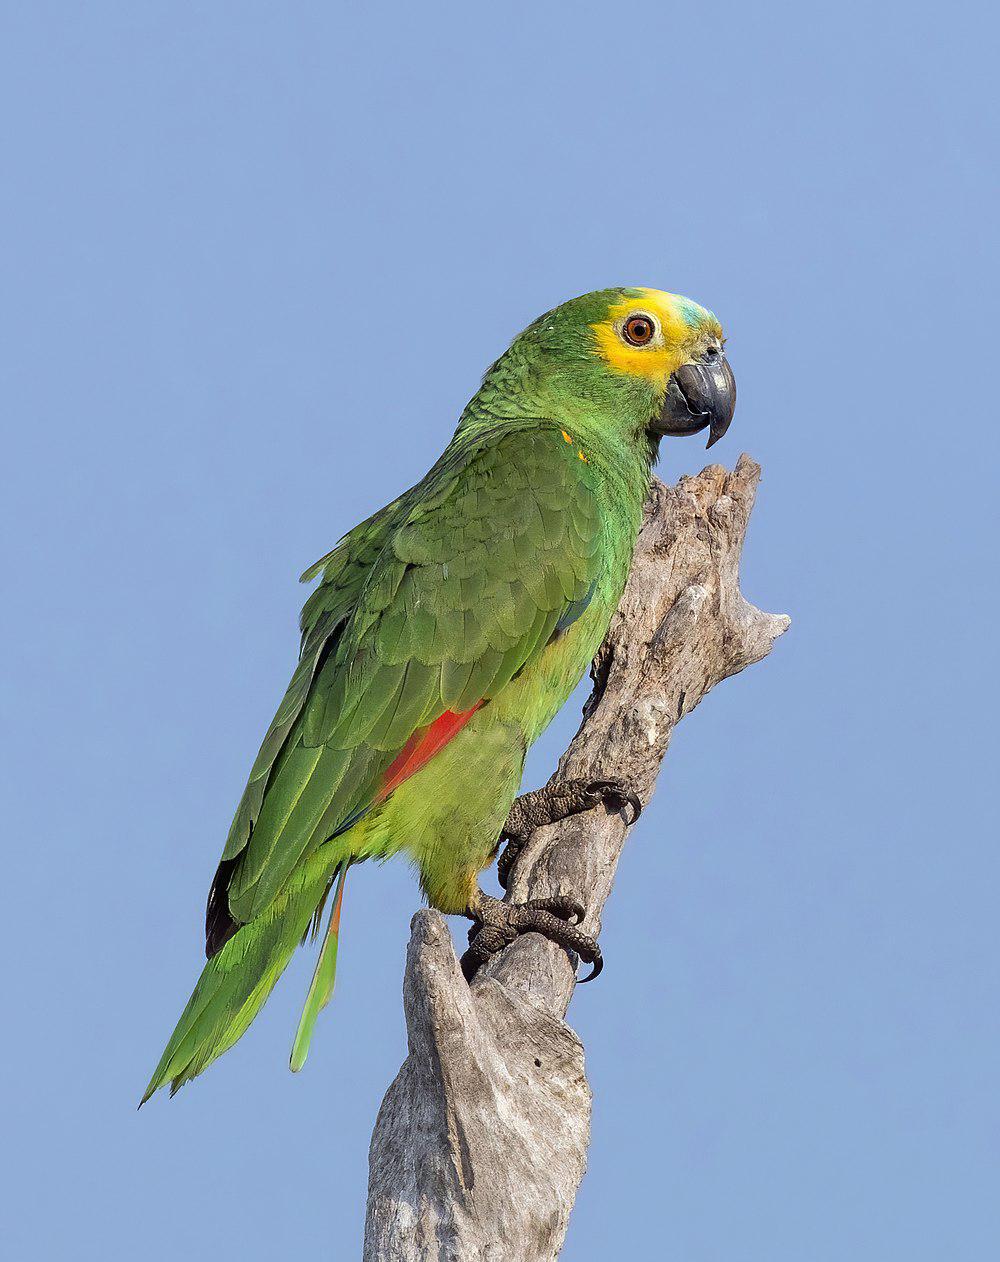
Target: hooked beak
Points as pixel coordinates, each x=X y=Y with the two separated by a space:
x=700 y=395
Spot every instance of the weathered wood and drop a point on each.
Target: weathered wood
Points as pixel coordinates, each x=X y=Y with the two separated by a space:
x=481 y=1141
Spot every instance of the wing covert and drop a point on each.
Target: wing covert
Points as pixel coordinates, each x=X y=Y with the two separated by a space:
x=481 y=563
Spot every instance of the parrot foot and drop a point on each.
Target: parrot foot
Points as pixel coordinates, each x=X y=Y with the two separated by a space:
x=496 y=924
x=558 y=801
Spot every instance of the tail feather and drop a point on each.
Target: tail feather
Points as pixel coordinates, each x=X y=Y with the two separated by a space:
x=321 y=987
x=235 y=982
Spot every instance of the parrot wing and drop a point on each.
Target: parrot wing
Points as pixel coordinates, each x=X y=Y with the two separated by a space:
x=323 y=618
x=443 y=598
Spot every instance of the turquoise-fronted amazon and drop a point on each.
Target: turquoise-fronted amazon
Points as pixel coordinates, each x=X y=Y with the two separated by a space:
x=446 y=631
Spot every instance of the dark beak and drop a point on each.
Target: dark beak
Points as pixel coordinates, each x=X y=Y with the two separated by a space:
x=700 y=395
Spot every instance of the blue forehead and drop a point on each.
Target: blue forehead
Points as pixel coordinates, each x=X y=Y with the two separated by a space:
x=692 y=315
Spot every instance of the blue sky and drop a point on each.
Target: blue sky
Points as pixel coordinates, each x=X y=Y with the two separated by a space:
x=254 y=259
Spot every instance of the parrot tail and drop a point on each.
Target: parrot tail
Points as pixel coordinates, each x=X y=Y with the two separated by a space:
x=321 y=988
x=237 y=980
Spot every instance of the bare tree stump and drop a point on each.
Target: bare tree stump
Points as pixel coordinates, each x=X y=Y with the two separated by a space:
x=481 y=1141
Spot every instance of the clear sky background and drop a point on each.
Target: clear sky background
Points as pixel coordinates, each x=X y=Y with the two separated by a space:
x=255 y=258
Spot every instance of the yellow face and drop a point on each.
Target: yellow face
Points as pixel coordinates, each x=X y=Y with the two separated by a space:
x=651 y=334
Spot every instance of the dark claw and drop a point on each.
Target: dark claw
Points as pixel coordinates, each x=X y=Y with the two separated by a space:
x=616 y=795
x=497 y=924
x=512 y=848
x=598 y=966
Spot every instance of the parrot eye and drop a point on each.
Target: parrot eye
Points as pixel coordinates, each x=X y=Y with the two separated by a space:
x=638 y=330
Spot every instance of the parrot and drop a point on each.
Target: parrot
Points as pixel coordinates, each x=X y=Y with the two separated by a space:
x=445 y=633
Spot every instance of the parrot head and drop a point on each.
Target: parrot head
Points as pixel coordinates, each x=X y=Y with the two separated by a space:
x=644 y=362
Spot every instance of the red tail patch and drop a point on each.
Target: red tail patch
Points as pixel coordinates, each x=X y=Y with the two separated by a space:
x=421 y=748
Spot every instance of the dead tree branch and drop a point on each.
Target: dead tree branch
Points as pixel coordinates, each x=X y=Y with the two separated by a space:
x=481 y=1141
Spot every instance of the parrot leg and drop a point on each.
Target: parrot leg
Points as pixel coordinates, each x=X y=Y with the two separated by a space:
x=496 y=924
x=558 y=801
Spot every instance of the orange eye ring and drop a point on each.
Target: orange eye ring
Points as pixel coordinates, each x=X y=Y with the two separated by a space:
x=639 y=330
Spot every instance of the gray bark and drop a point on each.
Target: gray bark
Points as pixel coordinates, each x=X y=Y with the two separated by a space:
x=481 y=1141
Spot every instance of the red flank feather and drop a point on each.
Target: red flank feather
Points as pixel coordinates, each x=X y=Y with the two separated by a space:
x=421 y=748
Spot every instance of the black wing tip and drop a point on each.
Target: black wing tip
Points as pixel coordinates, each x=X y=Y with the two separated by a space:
x=219 y=923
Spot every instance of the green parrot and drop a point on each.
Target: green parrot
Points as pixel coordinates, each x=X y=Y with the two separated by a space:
x=445 y=633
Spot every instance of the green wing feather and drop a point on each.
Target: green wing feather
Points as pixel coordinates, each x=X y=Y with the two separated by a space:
x=344 y=570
